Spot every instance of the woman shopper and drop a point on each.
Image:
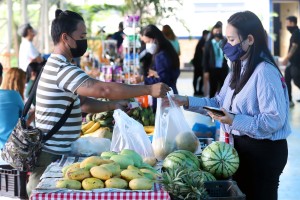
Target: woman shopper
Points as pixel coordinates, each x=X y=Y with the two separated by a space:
x=170 y=35
x=214 y=63
x=198 y=65
x=63 y=83
x=11 y=104
x=165 y=61
x=256 y=92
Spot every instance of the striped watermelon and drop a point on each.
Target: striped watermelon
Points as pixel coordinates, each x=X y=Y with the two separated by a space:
x=206 y=176
x=182 y=158
x=220 y=159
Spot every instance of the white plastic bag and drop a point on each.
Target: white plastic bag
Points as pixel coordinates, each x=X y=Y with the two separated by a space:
x=88 y=146
x=172 y=132
x=130 y=134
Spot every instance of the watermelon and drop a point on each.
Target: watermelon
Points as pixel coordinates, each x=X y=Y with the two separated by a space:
x=220 y=159
x=181 y=158
x=206 y=176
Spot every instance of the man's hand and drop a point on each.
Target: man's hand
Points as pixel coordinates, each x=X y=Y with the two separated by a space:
x=121 y=104
x=285 y=61
x=159 y=90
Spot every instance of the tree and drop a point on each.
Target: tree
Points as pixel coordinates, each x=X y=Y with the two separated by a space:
x=152 y=11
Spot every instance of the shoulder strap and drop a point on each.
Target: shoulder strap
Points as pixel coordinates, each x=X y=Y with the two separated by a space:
x=30 y=98
x=28 y=103
x=60 y=123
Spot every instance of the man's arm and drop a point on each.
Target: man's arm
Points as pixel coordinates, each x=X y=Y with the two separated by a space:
x=89 y=105
x=290 y=54
x=98 y=89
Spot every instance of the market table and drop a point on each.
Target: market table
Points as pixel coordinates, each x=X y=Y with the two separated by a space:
x=158 y=193
x=46 y=188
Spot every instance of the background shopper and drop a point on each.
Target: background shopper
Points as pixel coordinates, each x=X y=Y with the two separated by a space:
x=292 y=60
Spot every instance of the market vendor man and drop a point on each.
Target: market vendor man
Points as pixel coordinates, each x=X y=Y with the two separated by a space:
x=61 y=83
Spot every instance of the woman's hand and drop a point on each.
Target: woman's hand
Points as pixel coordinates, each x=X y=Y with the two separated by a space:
x=178 y=99
x=227 y=119
x=135 y=79
x=152 y=73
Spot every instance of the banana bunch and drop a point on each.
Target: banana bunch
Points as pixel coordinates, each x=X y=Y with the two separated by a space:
x=104 y=118
x=90 y=127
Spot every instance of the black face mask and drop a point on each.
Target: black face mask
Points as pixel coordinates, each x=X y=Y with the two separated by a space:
x=218 y=35
x=291 y=29
x=81 y=46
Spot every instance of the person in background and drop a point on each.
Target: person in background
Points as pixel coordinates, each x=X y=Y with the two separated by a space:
x=35 y=70
x=12 y=102
x=198 y=65
x=63 y=83
x=292 y=71
x=101 y=53
x=165 y=60
x=169 y=34
x=145 y=59
x=119 y=35
x=27 y=52
x=214 y=62
x=256 y=92
x=1 y=73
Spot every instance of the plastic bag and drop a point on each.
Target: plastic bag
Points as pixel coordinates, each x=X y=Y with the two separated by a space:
x=172 y=131
x=88 y=146
x=130 y=134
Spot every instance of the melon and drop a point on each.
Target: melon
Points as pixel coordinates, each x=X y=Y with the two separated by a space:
x=220 y=159
x=162 y=147
x=181 y=158
x=187 y=141
x=206 y=176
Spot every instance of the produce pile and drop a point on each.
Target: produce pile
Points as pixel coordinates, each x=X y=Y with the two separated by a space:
x=125 y=170
x=185 y=173
x=101 y=124
x=163 y=146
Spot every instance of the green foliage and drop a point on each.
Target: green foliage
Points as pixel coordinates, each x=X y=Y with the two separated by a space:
x=145 y=9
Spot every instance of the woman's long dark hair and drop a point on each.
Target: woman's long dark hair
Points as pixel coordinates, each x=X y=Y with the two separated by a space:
x=247 y=23
x=162 y=43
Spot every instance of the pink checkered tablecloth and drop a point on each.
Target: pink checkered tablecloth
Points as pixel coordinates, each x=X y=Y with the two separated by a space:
x=157 y=194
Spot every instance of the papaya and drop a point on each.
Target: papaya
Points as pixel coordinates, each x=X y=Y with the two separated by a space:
x=92 y=183
x=129 y=174
x=113 y=167
x=122 y=160
x=101 y=173
x=88 y=166
x=116 y=183
x=92 y=159
x=65 y=168
x=69 y=184
x=137 y=159
x=108 y=154
x=150 y=160
x=141 y=184
x=77 y=174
